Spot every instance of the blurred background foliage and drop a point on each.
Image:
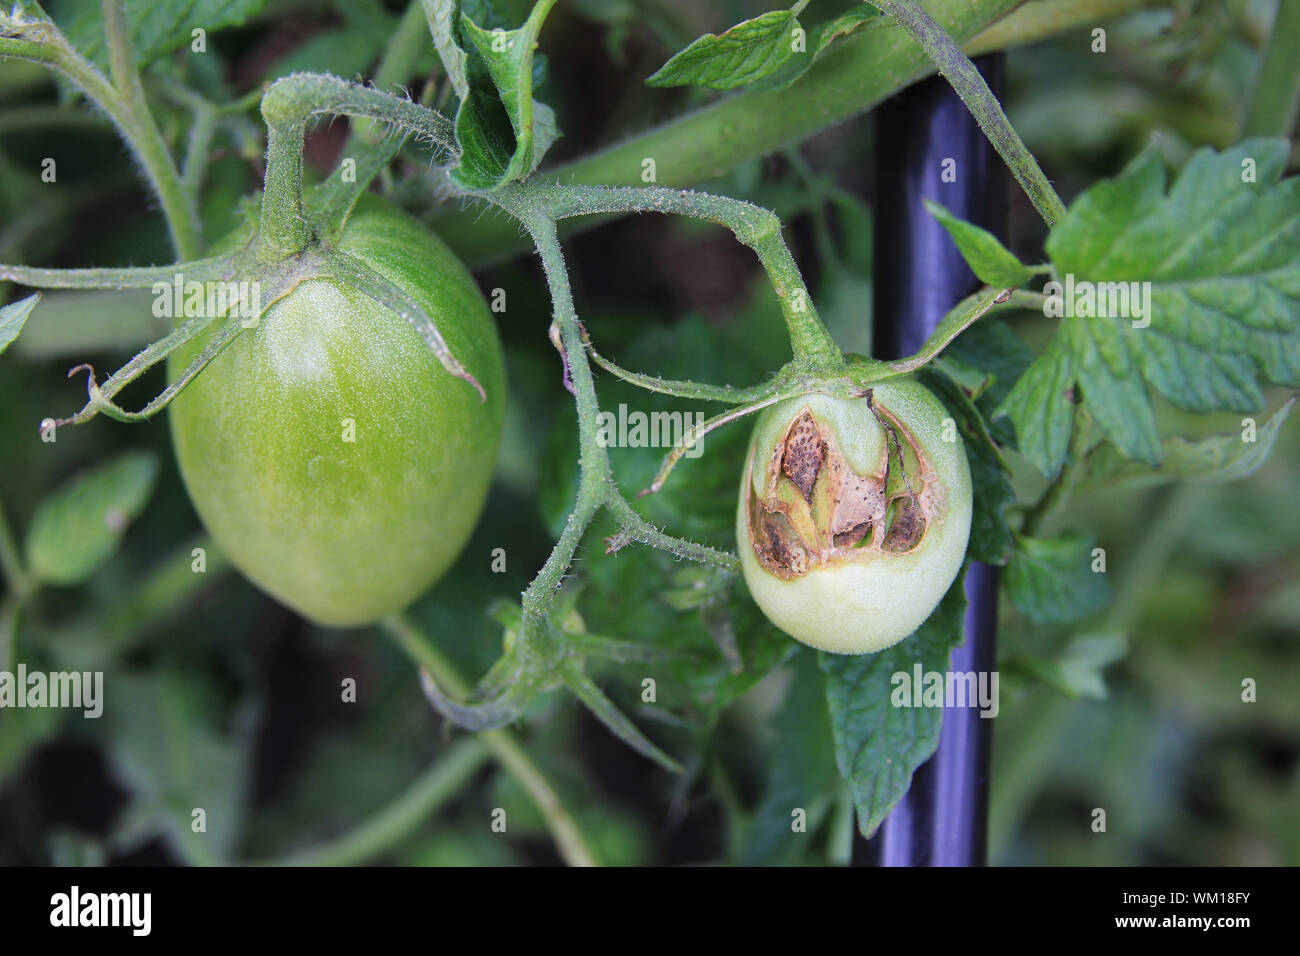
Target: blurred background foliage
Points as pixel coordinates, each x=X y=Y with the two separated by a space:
x=219 y=698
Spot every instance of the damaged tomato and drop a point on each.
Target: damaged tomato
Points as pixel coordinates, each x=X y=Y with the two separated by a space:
x=854 y=515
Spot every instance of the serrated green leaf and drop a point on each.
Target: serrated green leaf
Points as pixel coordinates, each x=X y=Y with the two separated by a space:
x=1220 y=249
x=1051 y=580
x=80 y=525
x=1115 y=396
x=749 y=51
x=846 y=23
x=879 y=746
x=1041 y=406
x=157 y=26
x=991 y=261
x=1220 y=458
x=768 y=52
x=13 y=317
x=990 y=537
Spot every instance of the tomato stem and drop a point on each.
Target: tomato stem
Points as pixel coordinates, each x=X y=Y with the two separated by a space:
x=288 y=106
x=753 y=226
x=569 y=838
x=41 y=42
x=956 y=67
x=454 y=769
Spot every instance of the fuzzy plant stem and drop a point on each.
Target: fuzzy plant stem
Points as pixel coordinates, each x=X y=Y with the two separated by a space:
x=956 y=67
x=569 y=839
x=123 y=100
x=287 y=107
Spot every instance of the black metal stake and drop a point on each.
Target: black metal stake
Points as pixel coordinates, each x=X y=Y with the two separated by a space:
x=929 y=147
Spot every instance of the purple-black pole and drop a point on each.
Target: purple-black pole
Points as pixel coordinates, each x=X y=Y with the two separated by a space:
x=924 y=133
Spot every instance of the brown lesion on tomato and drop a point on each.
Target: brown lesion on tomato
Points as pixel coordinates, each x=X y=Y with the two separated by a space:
x=908 y=526
x=817 y=510
x=803 y=452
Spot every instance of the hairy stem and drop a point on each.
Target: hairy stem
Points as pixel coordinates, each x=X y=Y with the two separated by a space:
x=178 y=203
x=594 y=481
x=198 y=149
x=395 y=66
x=701 y=391
x=753 y=226
x=125 y=105
x=967 y=83
x=636 y=528
x=287 y=107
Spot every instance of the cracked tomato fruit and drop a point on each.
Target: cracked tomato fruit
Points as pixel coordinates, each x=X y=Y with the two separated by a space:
x=854 y=515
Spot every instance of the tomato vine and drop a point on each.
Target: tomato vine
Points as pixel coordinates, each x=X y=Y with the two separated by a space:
x=1089 y=387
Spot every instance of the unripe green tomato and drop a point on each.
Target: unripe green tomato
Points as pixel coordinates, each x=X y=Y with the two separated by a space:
x=327 y=451
x=854 y=515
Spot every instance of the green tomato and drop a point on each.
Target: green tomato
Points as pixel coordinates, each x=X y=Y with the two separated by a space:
x=327 y=451
x=854 y=515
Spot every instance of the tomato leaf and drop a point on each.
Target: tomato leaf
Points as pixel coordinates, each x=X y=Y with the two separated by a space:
x=80 y=525
x=1219 y=458
x=166 y=750
x=878 y=746
x=1077 y=670
x=444 y=23
x=13 y=317
x=1112 y=390
x=768 y=52
x=1041 y=406
x=1052 y=581
x=503 y=133
x=993 y=263
x=749 y=51
x=157 y=26
x=1214 y=259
